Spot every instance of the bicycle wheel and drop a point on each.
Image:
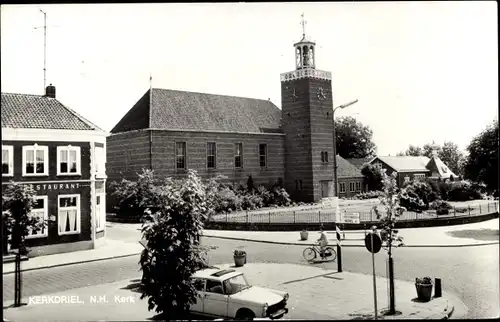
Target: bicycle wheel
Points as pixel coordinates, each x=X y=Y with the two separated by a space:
x=331 y=253
x=309 y=254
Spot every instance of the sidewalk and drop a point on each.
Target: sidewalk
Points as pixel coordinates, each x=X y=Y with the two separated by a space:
x=111 y=249
x=315 y=293
x=413 y=237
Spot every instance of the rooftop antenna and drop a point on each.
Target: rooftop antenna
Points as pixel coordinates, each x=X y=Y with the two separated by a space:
x=44 y=48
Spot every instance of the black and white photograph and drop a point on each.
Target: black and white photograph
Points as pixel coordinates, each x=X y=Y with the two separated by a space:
x=250 y=161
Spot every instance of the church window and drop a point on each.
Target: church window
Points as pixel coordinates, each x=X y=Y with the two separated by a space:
x=263 y=155
x=211 y=155
x=180 y=155
x=238 y=155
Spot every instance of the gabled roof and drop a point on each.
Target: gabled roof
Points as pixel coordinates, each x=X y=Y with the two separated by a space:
x=29 y=111
x=405 y=163
x=436 y=165
x=191 y=111
x=359 y=162
x=346 y=169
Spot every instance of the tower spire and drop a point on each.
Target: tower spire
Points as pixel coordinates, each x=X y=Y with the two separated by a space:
x=303 y=23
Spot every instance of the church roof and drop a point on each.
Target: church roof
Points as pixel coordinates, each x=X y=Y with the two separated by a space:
x=345 y=169
x=29 y=111
x=405 y=163
x=192 y=111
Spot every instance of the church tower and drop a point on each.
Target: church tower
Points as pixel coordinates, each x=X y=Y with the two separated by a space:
x=306 y=105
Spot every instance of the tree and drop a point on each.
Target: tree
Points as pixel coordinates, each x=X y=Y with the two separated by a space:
x=452 y=157
x=390 y=199
x=413 y=151
x=373 y=176
x=353 y=139
x=481 y=164
x=173 y=253
x=17 y=203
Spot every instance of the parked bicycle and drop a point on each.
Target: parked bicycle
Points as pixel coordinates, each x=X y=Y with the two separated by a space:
x=312 y=252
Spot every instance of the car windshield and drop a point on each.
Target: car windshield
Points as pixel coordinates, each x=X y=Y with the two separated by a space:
x=235 y=284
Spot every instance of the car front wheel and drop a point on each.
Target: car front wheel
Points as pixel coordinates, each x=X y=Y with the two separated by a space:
x=245 y=314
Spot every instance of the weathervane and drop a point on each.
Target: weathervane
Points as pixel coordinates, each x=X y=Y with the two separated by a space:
x=303 y=23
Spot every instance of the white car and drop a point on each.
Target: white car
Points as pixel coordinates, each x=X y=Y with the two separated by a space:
x=226 y=293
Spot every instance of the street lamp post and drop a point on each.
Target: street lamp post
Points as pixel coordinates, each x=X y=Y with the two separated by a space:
x=336 y=194
x=337 y=215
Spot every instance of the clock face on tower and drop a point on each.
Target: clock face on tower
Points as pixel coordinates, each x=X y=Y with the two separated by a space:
x=321 y=94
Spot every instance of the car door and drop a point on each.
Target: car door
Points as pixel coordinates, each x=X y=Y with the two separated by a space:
x=199 y=284
x=216 y=301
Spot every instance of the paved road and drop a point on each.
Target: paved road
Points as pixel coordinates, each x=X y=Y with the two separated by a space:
x=469 y=272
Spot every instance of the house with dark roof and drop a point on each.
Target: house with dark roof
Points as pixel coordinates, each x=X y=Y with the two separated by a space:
x=170 y=131
x=349 y=177
x=410 y=168
x=359 y=162
x=62 y=156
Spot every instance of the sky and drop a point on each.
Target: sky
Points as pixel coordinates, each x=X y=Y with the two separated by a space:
x=421 y=71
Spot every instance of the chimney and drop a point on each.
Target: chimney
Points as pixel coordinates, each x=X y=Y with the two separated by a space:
x=50 y=91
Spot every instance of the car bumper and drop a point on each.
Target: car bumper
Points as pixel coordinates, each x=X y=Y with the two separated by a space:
x=278 y=314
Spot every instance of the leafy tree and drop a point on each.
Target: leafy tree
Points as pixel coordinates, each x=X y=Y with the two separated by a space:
x=413 y=151
x=173 y=252
x=481 y=164
x=134 y=197
x=17 y=203
x=353 y=139
x=390 y=199
x=373 y=177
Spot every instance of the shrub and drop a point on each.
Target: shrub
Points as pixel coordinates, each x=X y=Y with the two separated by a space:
x=251 y=201
x=417 y=195
x=239 y=253
x=368 y=195
x=266 y=195
x=423 y=280
x=280 y=197
x=441 y=207
x=463 y=191
x=134 y=197
x=372 y=176
x=226 y=200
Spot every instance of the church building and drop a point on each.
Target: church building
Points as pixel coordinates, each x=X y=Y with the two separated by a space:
x=170 y=131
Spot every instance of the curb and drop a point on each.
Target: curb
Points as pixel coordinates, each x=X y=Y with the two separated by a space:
x=73 y=263
x=298 y=244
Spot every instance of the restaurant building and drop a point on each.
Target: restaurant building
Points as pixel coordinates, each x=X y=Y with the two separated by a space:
x=62 y=156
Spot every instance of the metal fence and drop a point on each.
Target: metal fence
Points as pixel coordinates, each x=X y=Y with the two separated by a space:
x=328 y=215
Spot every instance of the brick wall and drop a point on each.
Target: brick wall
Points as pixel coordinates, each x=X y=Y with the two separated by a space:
x=164 y=161
x=297 y=128
x=321 y=133
x=127 y=154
